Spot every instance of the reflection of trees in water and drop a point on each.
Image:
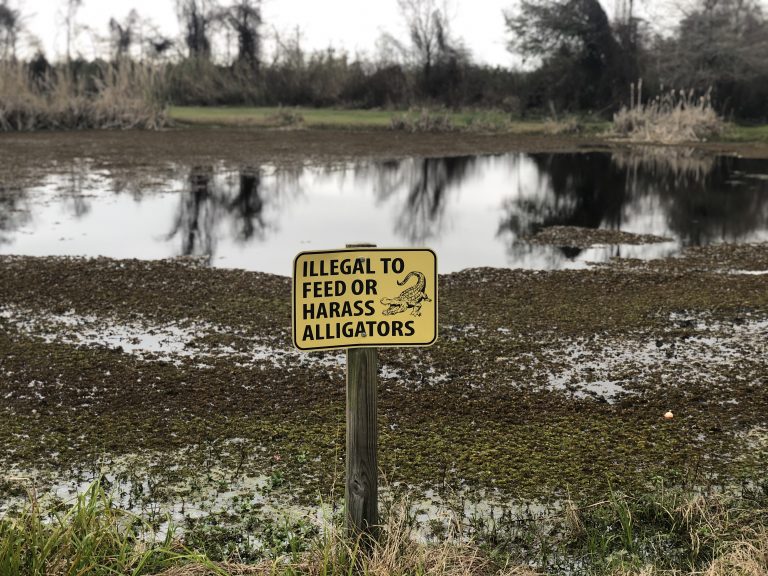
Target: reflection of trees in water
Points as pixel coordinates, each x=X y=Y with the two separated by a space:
x=15 y=211
x=427 y=183
x=141 y=181
x=72 y=185
x=247 y=206
x=705 y=199
x=77 y=180
x=583 y=190
x=702 y=199
x=196 y=214
x=211 y=198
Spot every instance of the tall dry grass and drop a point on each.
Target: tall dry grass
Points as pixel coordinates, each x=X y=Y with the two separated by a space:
x=122 y=95
x=672 y=117
x=423 y=120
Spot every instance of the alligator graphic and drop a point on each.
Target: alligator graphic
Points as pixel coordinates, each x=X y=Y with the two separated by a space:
x=409 y=298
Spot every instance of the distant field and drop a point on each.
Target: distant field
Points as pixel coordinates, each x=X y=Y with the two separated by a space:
x=371 y=119
x=747 y=133
x=340 y=118
x=268 y=116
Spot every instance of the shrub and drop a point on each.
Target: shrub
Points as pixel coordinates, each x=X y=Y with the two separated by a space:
x=489 y=121
x=673 y=116
x=423 y=120
x=568 y=125
x=286 y=118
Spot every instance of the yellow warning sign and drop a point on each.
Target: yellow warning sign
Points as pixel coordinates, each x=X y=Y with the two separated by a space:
x=364 y=297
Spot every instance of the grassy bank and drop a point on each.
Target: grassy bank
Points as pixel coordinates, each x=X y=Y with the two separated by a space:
x=331 y=118
x=662 y=531
x=736 y=133
x=477 y=120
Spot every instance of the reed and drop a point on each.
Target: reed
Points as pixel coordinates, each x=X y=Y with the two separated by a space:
x=671 y=117
x=120 y=95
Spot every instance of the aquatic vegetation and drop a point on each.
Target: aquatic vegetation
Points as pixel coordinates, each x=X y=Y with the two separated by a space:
x=89 y=536
x=176 y=384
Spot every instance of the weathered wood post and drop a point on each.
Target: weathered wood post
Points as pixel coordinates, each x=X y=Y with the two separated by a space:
x=361 y=493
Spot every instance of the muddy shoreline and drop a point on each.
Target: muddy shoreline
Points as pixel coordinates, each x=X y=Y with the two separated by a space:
x=130 y=149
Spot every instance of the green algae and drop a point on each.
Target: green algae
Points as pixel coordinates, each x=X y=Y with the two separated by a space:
x=473 y=412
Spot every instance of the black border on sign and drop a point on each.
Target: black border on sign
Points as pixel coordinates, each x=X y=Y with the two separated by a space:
x=361 y=249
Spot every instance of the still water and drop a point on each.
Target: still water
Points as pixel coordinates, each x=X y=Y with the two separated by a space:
x=472 y=210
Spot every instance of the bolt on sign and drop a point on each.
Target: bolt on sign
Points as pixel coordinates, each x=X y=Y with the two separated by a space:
x=364 y=297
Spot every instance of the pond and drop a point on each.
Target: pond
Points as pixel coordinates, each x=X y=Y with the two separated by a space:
x=472 y=210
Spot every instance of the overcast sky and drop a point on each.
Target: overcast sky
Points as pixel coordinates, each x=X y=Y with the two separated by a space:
x=350 y=24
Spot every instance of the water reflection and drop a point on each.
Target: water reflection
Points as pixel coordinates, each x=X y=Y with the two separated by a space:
x=77 y=181
x=211 y=198
x=706 y=199
x=14 y=212
x=427 y=182
x=248 y=206
x=196 y=214
x=670 y=192
x=473 y=210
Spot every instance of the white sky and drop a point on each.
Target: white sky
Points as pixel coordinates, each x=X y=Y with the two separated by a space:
x=354 y=25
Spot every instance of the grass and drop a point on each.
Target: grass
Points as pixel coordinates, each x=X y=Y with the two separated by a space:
x=93 y=537
x=90 y=537
x=474 y=120
x=264 y=116
x=739 y=133
x=676 y=531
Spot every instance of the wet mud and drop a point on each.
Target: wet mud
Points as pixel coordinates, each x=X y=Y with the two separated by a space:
x=541 y=383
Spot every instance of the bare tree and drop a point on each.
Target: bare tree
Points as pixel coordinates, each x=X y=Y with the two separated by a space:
x=719 y=42
x=70 y=21
x=10 y=25
x=123 y=34
x=438 y=58
x=197 y=18
x=244 y=18
x=429 y=33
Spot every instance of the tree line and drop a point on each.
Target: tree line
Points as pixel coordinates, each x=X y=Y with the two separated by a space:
x=576 y=58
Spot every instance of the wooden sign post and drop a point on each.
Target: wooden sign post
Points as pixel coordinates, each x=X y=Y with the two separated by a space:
x=361 y=491
x=361 y=298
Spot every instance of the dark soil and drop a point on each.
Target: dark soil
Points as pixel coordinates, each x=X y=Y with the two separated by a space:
x=206 y=145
